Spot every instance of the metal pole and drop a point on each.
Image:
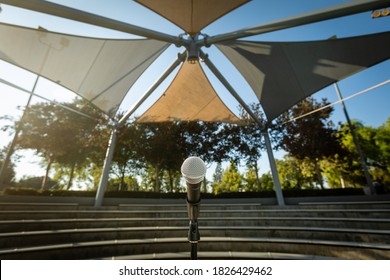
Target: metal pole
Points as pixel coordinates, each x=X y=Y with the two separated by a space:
x=356 y=141
x=274 y=170
x=345 y=9
x=106 y=169
x=81 y=16
x=227 y=85
x=18 y=128
x=194 y=251
x=181 y=57
x=278 y=189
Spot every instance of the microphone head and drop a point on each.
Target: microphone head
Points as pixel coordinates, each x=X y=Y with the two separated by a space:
x=193 y=170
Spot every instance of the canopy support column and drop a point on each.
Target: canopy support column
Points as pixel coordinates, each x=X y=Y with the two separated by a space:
x=356 y=141
x=111 y=146
x=106 y=168
x=274 y=170
x=275 y=176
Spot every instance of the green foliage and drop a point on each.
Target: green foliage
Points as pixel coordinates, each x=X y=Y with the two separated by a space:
x=232 y=180
x=60 y=135
x=123 y=184
x=75 y=146
x=9 y=172
x=266 y=182
x=311 y=137
x=294 y=173
x=375 y=144
x=217 y=176
x=252 y=183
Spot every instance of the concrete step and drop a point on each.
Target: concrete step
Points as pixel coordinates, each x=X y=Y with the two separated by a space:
x=37 y=206
x=221 y=255
x=56 y=224
x=181 y=204
x=182 y=213
x=47 y=237
x=109 y=248
x=230 y=230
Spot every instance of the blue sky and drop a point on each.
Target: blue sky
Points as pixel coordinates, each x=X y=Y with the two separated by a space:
x=371 y=108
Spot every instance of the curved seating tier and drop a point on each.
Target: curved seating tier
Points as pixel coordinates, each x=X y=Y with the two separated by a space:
x=228 y=231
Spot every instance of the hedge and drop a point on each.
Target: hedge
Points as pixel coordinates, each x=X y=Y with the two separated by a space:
x=132 y=194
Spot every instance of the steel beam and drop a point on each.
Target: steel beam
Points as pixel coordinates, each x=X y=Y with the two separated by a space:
x=106 y=169
x=345 y=9
x=355 y=138
x=81 y=16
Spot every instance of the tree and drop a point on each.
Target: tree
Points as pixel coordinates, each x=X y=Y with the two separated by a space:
x=123 y=184
x=125 y=162
x=161 y=146
x=165 y=146
x=217 y=176
x=294 y=173
x=311 y=137
x=266 y=181
x=337 y=171
x=251 y=137
x=232 y=180
x=375 y=145
x=382 y=161
x=9 y=172
x=252 y=180
x=59 y=135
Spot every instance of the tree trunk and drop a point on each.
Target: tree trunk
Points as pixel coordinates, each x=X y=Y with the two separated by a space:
x=258 y=183
x=122 y=182
x=44 y=180
x=170 y=175
x=342 y=181
x=319 y=175
x=70 y=181
x=157 y=183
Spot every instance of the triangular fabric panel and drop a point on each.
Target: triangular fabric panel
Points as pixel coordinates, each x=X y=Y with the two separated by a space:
x=192 y=15
x=100 y=70
x=282 y=74
x=190 y=97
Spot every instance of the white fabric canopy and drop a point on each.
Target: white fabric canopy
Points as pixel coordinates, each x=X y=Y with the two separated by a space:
x=100 y=70
x=190 y=97
x=282 y=74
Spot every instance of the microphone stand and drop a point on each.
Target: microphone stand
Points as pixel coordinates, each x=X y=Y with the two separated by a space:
x=194 y=171
x=193 y=232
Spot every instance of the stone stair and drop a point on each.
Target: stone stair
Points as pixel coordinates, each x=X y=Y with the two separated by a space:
x=228 y=231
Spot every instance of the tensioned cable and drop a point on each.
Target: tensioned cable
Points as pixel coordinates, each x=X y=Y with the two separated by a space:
x=339 y=101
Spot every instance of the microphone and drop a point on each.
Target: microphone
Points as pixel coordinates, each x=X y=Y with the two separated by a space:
x=193 y=170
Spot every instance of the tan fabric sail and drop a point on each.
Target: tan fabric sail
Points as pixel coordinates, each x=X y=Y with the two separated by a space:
x=99 y=70
x=190 y=97
x=282 y=74
x=192 y=15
